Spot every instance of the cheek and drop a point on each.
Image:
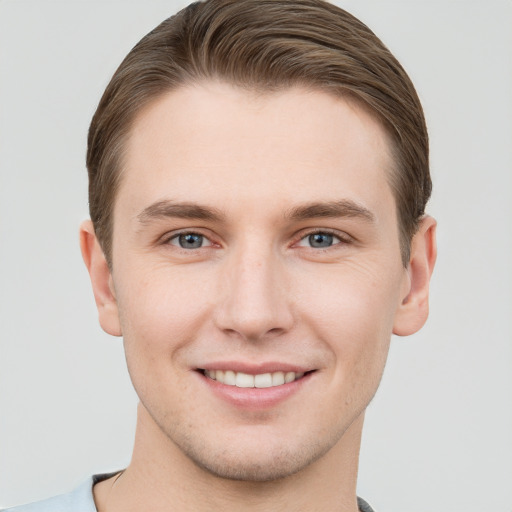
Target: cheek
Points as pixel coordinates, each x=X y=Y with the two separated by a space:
x=352 y=314
x=160 y=311
x=356 y=298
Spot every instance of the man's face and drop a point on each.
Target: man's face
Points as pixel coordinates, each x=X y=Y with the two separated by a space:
x=256 y=242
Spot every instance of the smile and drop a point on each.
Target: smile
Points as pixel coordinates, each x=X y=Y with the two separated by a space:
x=246 y=380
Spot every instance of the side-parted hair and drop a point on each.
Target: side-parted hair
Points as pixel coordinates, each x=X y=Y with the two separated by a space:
x=263 y=45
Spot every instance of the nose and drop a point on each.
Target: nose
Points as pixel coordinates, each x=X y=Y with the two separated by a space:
x=255 y=301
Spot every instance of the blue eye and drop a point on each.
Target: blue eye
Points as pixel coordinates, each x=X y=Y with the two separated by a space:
x=190 y=241
x=320 y=240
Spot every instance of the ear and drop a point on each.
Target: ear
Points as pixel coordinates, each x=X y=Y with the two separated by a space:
x=413 y=311
x=101 y=280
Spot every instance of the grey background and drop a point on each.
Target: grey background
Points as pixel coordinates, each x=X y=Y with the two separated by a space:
x=438 y=435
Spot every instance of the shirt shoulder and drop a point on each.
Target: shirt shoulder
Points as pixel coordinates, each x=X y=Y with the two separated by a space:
x=363 y=506
x=80 y=499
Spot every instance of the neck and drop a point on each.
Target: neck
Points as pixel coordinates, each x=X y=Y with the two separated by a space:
x=161 y=478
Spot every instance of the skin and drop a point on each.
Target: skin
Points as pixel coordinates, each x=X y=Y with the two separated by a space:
x=259 y=289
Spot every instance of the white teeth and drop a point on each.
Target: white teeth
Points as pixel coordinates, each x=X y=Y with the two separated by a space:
x=245 y=380
x=289 y=377
x=230 y=378
x=263 y=381
x=277 y=378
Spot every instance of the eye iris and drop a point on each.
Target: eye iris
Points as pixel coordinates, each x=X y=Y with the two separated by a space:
x=190 y=241
x=320 y=240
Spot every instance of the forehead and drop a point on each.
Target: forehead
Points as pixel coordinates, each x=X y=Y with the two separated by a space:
x=214 y=143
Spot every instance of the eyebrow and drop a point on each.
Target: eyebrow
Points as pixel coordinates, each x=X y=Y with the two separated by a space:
x=333 y=209
x=169 y=209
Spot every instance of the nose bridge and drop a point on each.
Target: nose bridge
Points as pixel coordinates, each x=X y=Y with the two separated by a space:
x=255 y=302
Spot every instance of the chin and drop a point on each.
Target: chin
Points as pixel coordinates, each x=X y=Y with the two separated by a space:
x=255 y=460
x=254 y=469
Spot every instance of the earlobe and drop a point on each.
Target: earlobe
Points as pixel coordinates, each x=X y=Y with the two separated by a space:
x=412 y=313
x=101 y=280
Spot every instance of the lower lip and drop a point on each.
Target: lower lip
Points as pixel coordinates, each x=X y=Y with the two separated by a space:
x=255 y=398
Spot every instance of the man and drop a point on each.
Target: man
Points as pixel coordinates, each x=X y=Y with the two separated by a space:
x=258 y=174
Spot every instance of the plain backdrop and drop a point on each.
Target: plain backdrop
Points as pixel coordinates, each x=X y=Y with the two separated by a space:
x=438 y=435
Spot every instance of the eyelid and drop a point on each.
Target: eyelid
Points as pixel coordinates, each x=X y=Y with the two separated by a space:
x=343 y=238
x=206 y=241
x=173 y=235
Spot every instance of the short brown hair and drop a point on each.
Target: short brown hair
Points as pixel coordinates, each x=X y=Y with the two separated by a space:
x=264 y=45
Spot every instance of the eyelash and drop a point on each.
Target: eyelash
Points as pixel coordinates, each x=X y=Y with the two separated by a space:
x=168 y=240
x=342 y=239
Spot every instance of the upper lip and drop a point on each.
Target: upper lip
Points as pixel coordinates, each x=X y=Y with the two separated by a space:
x=255 y=368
